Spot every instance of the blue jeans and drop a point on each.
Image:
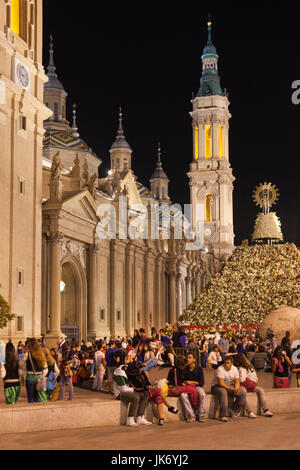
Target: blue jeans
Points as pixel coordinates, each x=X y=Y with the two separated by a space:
x=32 y=394
x=67 y=380
x=204 y=357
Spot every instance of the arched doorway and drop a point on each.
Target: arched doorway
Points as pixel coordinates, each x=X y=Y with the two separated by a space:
x=73 y=300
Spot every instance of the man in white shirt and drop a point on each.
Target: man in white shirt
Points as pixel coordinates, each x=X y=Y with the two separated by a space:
x=226 y=385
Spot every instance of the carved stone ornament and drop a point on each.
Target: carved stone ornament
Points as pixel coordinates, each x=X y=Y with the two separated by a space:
x=70 y=247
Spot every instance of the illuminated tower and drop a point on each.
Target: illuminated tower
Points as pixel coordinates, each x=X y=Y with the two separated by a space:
x=210 y=175
x=160 y=182
x=22 y=114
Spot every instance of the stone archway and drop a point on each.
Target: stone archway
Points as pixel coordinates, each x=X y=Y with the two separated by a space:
x=74 y=299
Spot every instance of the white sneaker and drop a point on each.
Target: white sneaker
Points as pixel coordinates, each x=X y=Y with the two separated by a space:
x=268 y=414
x=251 y=415
x=142 y=420
x=224 y=419
x=131 y=422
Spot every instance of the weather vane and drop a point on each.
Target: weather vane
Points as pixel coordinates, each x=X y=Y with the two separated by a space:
x=265 y=195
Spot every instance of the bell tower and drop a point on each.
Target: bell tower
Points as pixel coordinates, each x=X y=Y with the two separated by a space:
x=22 y=116
x=210 y=175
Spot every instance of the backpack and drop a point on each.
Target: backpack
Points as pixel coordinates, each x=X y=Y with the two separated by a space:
x=51 y=383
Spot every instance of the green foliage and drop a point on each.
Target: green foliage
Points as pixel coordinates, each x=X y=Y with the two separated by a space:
x=5 y=315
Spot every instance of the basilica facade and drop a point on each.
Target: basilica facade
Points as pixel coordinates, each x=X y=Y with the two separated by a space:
x=84 y=255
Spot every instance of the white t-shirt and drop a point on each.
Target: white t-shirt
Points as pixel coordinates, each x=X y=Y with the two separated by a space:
x=229 y=376
x=214 y=357
x=247 y=374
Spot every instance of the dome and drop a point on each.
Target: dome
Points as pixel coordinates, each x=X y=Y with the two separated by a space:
x=209 y=51
x=120 y=142
x=159 y=173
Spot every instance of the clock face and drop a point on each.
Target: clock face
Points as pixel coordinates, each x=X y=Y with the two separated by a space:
x=23 y=75
x=207 y=232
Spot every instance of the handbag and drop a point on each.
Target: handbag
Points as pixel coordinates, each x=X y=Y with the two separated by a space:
x=249 y=385
x=41 y=382
x=281 y=382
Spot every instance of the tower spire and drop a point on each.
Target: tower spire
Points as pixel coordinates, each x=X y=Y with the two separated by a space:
x=209 y=28
x=120 y=141
x=53 y=81
x=159 y=164
x=74 y=126
x=210 y=80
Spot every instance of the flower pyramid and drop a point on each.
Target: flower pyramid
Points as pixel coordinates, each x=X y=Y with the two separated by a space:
x=267 y=226
x=253 y=282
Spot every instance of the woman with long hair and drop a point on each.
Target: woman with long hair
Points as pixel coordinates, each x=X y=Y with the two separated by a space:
x=281 y=365
x=136 y=339
x=10 y=374
x=248 y=380
x=149 y=359
x=34 y=368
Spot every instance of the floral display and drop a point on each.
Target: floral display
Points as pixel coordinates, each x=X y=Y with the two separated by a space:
x=267 y=226
x=254 y=281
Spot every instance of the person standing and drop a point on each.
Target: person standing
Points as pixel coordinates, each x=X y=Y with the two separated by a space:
x=100 y=364
x=110 y=363
x=33 y=366
x=9 y=372
x=20 y=350
x=224 y=344
x=225 y=386
x=203 y=350
x=66 y=374
x=286 y=344
x=193 y=374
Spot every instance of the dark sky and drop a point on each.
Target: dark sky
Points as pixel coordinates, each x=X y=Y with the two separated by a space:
x=148 y=59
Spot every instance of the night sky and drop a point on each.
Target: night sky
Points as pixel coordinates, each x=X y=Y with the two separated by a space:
x=149 y=61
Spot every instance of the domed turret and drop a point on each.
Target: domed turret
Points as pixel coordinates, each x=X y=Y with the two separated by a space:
x=210 y=80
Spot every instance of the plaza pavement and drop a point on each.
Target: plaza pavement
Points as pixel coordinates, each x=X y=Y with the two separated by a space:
x=281 y=432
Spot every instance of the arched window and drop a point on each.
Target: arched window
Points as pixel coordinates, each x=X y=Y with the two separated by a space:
x=220 y=141
x=208 y=207
x=208 y=141
x=157 y=192
x=196 y=145
x=163 y=193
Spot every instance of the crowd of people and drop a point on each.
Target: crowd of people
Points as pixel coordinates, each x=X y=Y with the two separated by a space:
x=121 y=366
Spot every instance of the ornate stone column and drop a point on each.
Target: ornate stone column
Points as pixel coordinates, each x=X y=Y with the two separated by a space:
x=188 y=288
x=159 y=292
x=172 y=296
x=92 y=301
x=129 y=320
x=55 y=308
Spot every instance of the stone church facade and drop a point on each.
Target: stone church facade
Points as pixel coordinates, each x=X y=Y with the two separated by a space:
x=61 y=268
